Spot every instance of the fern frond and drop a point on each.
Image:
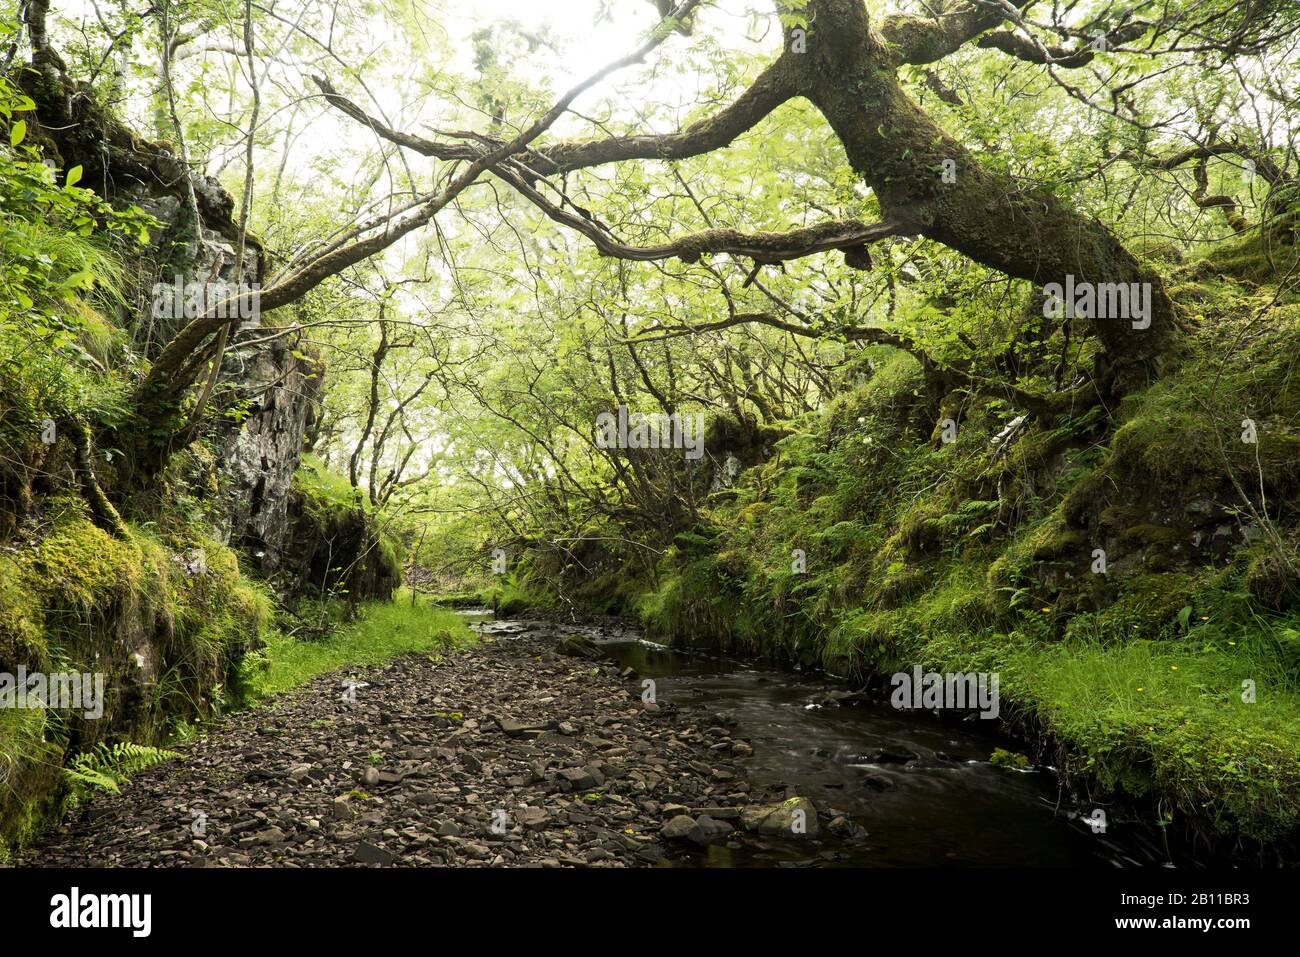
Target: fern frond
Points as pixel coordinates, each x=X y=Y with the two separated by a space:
x=107 y=768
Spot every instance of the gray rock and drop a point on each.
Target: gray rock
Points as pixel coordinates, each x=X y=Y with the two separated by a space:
x=367 y=853
x=518 y=729
x=580 y=778
x=678 y=829
x=795 y=817
x=272 y=835
x=708 y=829
x=721 y=813
x=578 y=646
x=533 y=817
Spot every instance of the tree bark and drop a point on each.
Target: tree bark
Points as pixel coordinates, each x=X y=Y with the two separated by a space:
x=850 y=74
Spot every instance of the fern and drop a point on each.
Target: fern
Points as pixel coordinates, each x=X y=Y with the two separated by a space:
x=107 y=768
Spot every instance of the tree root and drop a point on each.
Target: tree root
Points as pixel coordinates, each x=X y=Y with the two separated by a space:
x=105 y=515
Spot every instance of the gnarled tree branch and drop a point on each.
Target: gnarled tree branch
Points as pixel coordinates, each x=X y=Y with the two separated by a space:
x=768 y=91
x=762 y=247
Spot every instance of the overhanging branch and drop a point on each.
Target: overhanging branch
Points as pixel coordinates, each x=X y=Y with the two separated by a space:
x=772 y=88
x=849 y=236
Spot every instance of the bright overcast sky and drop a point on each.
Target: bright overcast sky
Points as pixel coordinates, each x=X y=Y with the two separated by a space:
x=589 y=46
x=585 y=46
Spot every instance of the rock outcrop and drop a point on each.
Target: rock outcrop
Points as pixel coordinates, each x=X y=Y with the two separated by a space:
x=259 y=459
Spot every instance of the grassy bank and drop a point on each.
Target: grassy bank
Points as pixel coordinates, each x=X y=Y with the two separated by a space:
x=381 y=631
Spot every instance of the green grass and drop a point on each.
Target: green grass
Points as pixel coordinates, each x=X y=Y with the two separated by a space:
x=382 y=631
x=1175 y=717
x=29 y=768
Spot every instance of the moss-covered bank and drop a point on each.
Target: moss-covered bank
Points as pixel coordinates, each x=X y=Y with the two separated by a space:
x=342 y=545
x=166 y=621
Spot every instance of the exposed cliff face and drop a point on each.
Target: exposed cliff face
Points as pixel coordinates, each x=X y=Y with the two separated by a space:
x=183 y=257
x=258 y=460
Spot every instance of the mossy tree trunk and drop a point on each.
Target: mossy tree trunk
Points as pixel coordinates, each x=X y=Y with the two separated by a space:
x=850 y=73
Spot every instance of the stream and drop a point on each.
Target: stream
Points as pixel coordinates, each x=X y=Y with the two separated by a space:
x=915 y=792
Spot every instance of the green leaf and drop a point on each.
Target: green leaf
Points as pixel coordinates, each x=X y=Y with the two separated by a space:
x=74 y=176
x=17 y=133
x=82 y=279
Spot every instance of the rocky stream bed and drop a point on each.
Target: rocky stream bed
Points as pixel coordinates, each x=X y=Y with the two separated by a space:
x=574 y=746
x=513 y=753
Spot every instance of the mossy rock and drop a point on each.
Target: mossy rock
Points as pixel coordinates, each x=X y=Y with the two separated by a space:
x=339 y=546
x=1003 y=758
x=1055 y=541
x=166 y=621
x=1271 y=578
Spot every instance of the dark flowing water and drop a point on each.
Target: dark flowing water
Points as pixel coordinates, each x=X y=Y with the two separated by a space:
x=935 y=800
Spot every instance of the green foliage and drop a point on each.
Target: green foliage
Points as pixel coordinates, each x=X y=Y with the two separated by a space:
x=108 y=767
x=58 y=272
x=326 y=490
x=513 y=594
x=1008 y=759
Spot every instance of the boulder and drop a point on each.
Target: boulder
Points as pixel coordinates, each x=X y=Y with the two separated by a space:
x=795 y=817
